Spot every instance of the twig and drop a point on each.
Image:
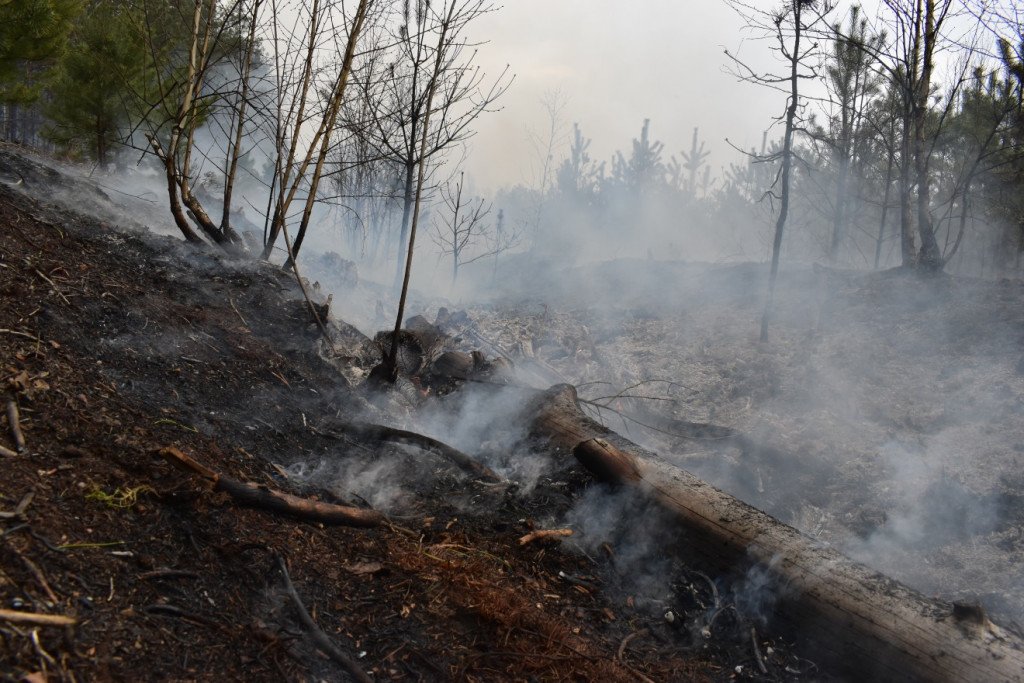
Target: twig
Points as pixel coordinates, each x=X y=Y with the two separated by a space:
x=15 y=617
x=569 y=578
x=40 y=650
x=14 y=421
x=544 y=533
x=262 y=497
x=173 y=611
x=7 y=452
x=19 y=333
x=40 y=578
x=232 y=302
x=714 y=588
x=19 y=510
x=320 y=638
x=320 y=322
x=55 y=287
x=166 y=573
x=625 y=641
x=757 y=651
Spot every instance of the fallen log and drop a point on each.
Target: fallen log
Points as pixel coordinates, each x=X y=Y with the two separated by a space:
x=257 y=496
x=852 y=617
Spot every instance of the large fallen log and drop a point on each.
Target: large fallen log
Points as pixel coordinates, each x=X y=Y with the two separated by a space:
x=865 y=623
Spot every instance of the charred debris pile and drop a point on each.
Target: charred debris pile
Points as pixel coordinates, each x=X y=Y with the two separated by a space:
x=200 y=484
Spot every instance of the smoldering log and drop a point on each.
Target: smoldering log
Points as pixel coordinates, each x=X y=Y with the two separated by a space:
x=853 y=617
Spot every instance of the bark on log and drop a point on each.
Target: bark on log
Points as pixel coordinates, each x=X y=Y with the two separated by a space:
x=855 y=618
x=258 y=496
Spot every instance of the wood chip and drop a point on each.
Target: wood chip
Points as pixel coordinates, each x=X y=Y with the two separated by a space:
x=544 y=533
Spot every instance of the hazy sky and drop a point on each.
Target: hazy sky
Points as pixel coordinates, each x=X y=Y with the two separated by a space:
x=617 y=63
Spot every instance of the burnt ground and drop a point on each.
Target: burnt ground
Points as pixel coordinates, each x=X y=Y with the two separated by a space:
x=115 y=344
x=884 y=416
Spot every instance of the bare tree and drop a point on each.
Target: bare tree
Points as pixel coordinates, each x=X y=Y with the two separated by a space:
x=460 y=99
x=428 y=79
x=788 y=27
x=185 y=99
x=545 y=144
x=464 y=230
x=310 y=96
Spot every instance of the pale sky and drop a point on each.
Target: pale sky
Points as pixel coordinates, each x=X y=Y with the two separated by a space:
x=617 y=63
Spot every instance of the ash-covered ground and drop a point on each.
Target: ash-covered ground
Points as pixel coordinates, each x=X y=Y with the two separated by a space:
x=885 y=415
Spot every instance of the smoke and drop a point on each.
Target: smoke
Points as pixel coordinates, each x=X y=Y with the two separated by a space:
x=484 y=421
x=386 y=481
x=622 y=525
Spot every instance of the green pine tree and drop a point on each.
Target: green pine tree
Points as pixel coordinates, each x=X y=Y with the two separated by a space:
x=96 y=96
x=33 y=35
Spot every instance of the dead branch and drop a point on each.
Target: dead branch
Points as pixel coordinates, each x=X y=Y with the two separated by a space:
x=19 y=510
x=177 y=612
x=235 y=309
x=166 y=573
x=625 y=641
x=19 y=333
x=50 y=282
x=382 y=433
x=14 y=421
x=324 y=643
x=258 y=496
x=16 y=617
x=544 y=533
x=39 y=576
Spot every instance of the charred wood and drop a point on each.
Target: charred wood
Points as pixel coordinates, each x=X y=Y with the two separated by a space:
x=257 y=496
x=377 y=432
x=855 y=618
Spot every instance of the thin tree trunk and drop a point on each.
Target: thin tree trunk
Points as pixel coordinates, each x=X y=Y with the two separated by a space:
x=885 y=208
x=392 y=361
x=929 y=256
x=240 y=111
x=408 y=200
x=330 y=122
x=286 y=166
x=787 y=165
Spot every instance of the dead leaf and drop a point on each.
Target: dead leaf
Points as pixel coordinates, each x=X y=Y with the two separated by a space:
x=363 y=568
x=19 y=383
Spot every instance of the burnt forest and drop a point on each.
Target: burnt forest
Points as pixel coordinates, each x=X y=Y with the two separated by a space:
x=452 y=341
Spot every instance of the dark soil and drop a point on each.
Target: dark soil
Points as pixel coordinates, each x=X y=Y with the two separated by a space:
x=114 y=345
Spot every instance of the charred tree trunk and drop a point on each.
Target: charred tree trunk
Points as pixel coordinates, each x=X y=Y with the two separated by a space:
x=857 y=619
